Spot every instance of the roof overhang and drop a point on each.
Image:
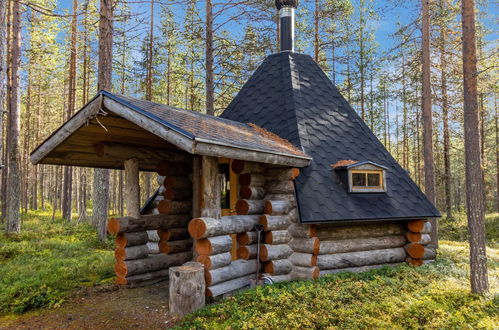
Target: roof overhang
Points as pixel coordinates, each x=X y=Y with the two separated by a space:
x=156 y=133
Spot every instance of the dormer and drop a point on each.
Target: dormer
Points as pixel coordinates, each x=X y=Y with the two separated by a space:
x=362 y=177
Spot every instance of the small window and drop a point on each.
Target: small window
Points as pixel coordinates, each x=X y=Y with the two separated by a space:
x=367 y=181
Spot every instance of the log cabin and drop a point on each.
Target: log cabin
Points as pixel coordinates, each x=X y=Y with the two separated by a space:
x=289 y=156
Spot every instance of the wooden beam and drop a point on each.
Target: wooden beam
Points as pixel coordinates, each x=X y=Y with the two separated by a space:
x=196 y=187
x=132 y=188
x=120 y=151
x=211 y=188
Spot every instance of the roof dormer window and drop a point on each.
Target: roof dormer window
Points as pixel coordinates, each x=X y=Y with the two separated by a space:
x=362 y=177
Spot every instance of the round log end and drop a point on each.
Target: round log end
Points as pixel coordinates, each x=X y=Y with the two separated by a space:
x=203 y=246
x=296 y=172
x=313 y=261
x=414 y=262
x=316 y=272
x=245 y=179
x=317 y=245
x=169 y=194
x=415 y=225
x=267 y=209
x=99 y=149
x=268 y=267
x=120 y=269
x=242 y=207
x=268 y=237
x=164 y=206
x=243 y=253
x=119 y=253
x=113 y=226
x=312 y=230
x=264 y=222
x=162 y=168
x=164 y=235
x=245 y=192
x=121 y=280
x=237 y=166
x=164 y=247
x=120 y=240
x=205 y=260
x=415 y=250
x=264 y=254
x=196 y=228
x=242 y=238
x=207 y=278
x=413 y=237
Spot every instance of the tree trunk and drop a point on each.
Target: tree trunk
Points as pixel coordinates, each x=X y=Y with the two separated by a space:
x=13 y=218
x=429 y=177
x=101 y=176
x=210 y=88
x=316 y=31
x=3 y=87
x=187 y=288
x=474 y=175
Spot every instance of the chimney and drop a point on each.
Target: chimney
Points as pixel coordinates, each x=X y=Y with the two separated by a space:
x=287 y=20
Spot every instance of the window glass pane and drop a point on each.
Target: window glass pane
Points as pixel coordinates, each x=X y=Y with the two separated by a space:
x=373 y=179
x=358 y=179
x=224 y=171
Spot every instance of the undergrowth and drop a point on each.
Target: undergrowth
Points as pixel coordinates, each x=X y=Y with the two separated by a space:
x=456 y=228
x=39 y=266
x=433 y=296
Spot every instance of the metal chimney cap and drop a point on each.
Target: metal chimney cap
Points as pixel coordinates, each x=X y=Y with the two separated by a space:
x=286 y=3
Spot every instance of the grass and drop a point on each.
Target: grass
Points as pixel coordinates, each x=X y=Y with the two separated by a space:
x=49 y=259
x=430 y=297
x=456 y=228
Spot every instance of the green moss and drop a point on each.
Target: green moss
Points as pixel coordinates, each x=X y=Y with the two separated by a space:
x=49 y=258
x=433 y=296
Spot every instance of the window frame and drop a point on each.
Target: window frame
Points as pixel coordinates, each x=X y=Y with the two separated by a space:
x=366 y=188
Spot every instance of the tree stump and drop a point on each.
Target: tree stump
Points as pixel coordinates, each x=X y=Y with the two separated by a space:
x=187 y=288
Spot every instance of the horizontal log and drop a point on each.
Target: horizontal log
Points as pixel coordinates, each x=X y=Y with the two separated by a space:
x=274 y=222
x=277 y=237
x=356 y=269
x=169 y=247
x=279 y=278
x=150 y=264
x=425 y=239
x=414 y=262
x=241 y=166
x=325 y=232
x=251 y=179
x=141 y=278
x=290 y=198
x=215 y=261
x=413 y=237
x=429 y=254
x=426 y=228
x=278 y=267
x=303 y=259
x=278 y=207
x=178 y=182
x=173 y=194
x=362 y=258
x=236 y=269
x=249 y=206
x=415 y=250
x=302 y=231
x=166 y=168
x=281 y=174
x=207 y=227
x=362 y=244
x=174 y=207
x=130 y=239
x=274 y=252
x=152 y=235
x=247 y=252
x=306 y=245
x=415 y=225
x=251 y=192
x=146 y=222
x=173 y=234
x=229 y=286
x=305 y=273
x=132 y=252
x=247 y=238
x=214 y=245
x=280 y=187
x=153 y=247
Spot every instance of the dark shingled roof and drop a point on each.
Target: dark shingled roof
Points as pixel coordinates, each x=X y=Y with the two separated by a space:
x=292 y=97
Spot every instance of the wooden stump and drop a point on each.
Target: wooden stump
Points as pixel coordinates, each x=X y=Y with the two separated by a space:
x=187 y=288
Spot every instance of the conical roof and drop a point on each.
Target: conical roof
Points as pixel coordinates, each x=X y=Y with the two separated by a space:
x=292 y=97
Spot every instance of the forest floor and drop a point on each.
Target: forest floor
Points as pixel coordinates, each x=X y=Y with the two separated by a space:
x=58 y=275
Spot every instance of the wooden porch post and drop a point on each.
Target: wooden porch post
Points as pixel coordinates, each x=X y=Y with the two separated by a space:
x=210 y=206
x=132 y=189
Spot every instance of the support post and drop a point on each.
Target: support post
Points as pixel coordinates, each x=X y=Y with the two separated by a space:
x=187 y=288
x=132 y=189
x=211 y=188
x=196 y=187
